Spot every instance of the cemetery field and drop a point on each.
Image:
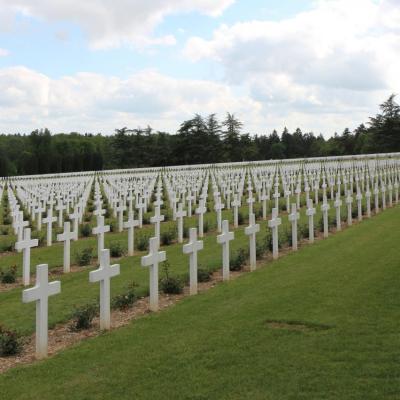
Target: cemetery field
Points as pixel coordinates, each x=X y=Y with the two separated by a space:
x=321 y=323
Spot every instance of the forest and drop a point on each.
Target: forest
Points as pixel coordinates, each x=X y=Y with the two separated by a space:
x=198 y=140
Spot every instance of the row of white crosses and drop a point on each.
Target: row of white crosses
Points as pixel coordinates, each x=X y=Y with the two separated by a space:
x=43 y=289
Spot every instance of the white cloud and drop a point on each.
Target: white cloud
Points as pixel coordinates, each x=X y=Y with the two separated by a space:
x=4 y=52
x=336 y=61
x=111 y=23
x=88 y=102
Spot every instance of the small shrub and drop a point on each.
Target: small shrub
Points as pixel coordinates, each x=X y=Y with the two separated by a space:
x=238 y=260
x=167 y=237
x=331 y=221
x=320 y=224
x=142 y=242
x=84 y=257
x=261 y=248
x=41 y=236
x=9 y=275
x=125 y=300
x=6 y=220
x=87 y=217
x=116 y=249
x=170 y=284
x=85 y=230
x=203 y=275
x=6 y=246
x=146 y=219
x=82 y=317
x=4 y=230
x=240 y=218
x=206 y=226
x=285 y=237
x=10 y=342
x=303 y=231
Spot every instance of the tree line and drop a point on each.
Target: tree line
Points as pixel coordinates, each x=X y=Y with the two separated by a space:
x=198 y=140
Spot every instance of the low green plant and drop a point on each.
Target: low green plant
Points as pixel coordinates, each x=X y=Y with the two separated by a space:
x=170 y=284
x=142 y=242
x=238 y=260
x=126 y=299
x=10 y=342
x=167 y=237
x=8 y=275
x=84 y=257
x=85 y=230
x=116 y=249
x=82 y=317
x=203 y=275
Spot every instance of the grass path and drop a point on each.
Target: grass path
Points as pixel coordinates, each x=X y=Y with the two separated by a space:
x=218 y=346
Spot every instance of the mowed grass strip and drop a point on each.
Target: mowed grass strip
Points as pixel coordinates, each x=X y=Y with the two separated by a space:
x=336 y=306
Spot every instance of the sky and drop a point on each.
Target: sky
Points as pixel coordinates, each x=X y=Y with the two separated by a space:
x=96 y=65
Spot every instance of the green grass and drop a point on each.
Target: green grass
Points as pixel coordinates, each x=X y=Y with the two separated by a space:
x=217 y=345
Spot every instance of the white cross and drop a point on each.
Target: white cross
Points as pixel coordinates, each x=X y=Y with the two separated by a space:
x=263 y=199
x=130 y=224
x=66 y=237
x=338 y=204
x=376 y=193
x=274 y=223
x=151 y=260
x=39 y=210
x=325 y=207
x=156 y=219
x=140 y=206
x=75 y=218
x=49 y=221
x=368 y=200
x=250 y=202
x=236 y=204
x=218 y=208
x=40 y=293
x=192 y=248
x=294 y=216
x=349 y=201
x=20 y=224
x=25 y=245
x=276 y=196
x=179 y=215
x=100 y=230
x=120 y=210
x=310 y=212
x=224 y=238
x=60 y=208
x=251 y=232
x=200 y=211
x=103 y=275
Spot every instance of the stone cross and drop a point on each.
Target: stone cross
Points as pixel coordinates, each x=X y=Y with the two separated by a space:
x=376 y=193
x=179 y=216
x=39 y=210
x=200 y=211
x=251 y=232
x=130 y=224
x=224 y=238
x=156 y=219
x=274 y=223
x=218 y=208
x=325 y=207
x=60 y=208
x=189 y=199
x=349 y=202
x=192 y=248
x=140 y=206
x=338 y=204
x=359 y=198
x=75 y=218
x=100 y=230
x=25 y=245
x=120 y=210
x=49 y=221
x=66 y=237
x=383 y=191
x=236 y=204
x=103 y=275
x=40 y=293
x=310 y=212
x=294 y=216
x=19 y=225
x=250 y=202
x=151 y=260
x=263 y=199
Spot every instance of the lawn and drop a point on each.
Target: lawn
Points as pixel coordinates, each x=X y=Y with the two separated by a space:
x=343 y=294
